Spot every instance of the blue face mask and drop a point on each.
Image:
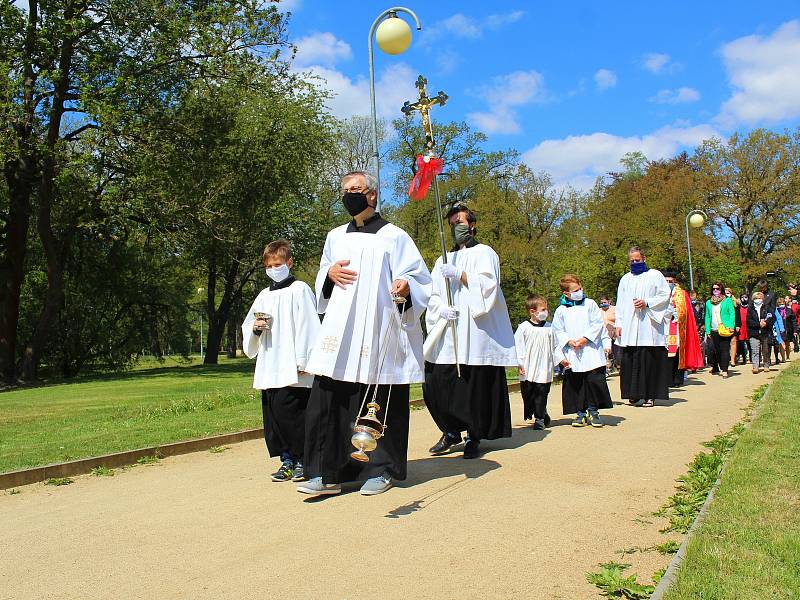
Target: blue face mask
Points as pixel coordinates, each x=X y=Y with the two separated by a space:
x=638 y=268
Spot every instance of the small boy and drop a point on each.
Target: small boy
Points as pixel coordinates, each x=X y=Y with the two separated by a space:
x=280 y=329
x=578 y=327
x=537 y=353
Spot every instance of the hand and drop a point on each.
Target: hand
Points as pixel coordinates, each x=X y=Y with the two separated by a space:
x=763 y=323
x=400 y=287
x=340 y=276
x=619 y=332
x=451 y=271
x=300 y=372
x=565 y=364
x=259 y=325
x=639 y=303
x=522 y=371
x=449 y=313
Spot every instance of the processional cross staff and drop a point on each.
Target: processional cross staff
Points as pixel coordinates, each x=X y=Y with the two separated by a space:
x=423 y=105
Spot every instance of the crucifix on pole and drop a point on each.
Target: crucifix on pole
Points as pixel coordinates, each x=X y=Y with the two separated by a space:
x=423 y=105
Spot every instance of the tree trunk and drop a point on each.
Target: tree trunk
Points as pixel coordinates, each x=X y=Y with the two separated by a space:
x=54 y=251
x=20 y=174
x=231 y=337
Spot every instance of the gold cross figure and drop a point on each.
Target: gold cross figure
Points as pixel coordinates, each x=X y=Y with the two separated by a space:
x=424 y=105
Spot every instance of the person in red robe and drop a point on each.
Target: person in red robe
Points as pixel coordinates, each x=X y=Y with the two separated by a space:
x=683 y=343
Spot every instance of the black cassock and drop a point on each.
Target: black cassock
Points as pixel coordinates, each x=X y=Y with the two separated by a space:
x=284 y=411
x=579 y=391
x=330 y=417
x=534 y=398
x=644 y=373
x=477 y=402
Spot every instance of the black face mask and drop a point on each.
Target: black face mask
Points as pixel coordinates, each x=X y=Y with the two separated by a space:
x=355 y=202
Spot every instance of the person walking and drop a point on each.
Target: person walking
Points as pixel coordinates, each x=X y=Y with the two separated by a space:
x=720 y=323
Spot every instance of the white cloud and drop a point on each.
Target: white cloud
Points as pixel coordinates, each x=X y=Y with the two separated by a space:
x=460 y=25
x=658 y=63
x=763 y=71
x=680 y=96
x=578 y=160
x=505 y=94
x=394 y=85
x=321 y=49
x=289 y=5
x=605 y=79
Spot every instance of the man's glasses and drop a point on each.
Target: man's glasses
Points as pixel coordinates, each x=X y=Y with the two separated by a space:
x=355 y=190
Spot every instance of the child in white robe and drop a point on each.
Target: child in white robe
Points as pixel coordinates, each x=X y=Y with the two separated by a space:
x=578 y=326
x=279 y=331
x=538 y=354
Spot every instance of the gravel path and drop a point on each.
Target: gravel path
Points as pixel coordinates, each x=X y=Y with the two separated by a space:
x=526 y=520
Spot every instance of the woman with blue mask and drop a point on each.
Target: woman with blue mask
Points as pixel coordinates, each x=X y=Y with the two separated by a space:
x=643 y=318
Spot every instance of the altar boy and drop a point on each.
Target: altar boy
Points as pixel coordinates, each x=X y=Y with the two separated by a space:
x=578 y=326
x=538 y=353
x=280 y=328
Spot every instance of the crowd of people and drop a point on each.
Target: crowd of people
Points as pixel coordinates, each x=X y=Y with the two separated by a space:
x=346 y=353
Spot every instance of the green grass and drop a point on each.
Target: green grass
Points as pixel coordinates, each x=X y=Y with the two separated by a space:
x=148 y=406
x=154 y=403
x=748 y=546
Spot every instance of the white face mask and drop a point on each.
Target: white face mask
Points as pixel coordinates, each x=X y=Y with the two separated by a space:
x=278 y=274
x=758 y=302
x=576 y=296
x=542 y=315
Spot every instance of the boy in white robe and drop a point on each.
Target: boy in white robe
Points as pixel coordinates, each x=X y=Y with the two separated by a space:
x=372 y=287
x=477 y=400
x=643 y=317
x=538 y=354
x=279 y=331
x=578 y=326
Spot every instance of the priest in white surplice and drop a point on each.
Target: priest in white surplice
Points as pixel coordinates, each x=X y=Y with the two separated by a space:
x=477 y=401
x=643 y=317
x=366 y=340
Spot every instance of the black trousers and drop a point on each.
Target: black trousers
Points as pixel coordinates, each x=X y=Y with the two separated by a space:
x=534 y=399
x=284 y=411
x=720 y=356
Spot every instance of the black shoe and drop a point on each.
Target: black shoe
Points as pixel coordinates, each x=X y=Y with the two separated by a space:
x=538 y=424
x=547 y=420
x=472 y=449
x=445 y=443
x=285 y=473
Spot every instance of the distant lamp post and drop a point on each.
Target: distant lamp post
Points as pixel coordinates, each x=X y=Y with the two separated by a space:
x=696 y=219
x=393 y=35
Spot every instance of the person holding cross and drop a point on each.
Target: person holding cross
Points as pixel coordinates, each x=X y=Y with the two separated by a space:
x=466 y=390
x=373 y=286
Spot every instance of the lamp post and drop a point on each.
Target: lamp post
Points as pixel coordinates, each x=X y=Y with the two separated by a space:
x=394 y=37
x=696 y=218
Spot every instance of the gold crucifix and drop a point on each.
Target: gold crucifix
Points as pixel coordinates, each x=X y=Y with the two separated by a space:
x=424 y=105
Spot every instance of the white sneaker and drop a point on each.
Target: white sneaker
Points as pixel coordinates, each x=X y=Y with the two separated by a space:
x=376 y=485
x=317 y=488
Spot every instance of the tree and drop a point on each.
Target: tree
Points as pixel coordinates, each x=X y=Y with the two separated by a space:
x=78 y=66
x=752 y=183
x=234 y=173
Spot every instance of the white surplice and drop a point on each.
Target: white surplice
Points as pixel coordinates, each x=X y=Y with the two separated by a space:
x=648 y=326
x=537 y=351
x=284 y=350
x=485 y=336
x=579 y=321
x=364 y=338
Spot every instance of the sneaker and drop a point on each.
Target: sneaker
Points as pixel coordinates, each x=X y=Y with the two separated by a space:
x=317 y=488
x=472 y=449
x=299 y=472
x=538 y=424
x=376 y=485
x=580 y=421
x=285 y=473
x=595 y=420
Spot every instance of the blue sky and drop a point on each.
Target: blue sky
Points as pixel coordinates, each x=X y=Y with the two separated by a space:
x=571 y=86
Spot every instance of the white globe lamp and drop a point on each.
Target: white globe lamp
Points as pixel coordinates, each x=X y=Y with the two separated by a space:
x=393 y=35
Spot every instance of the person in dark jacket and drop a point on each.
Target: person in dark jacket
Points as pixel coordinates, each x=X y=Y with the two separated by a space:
x=759 y=327
x=789 y=322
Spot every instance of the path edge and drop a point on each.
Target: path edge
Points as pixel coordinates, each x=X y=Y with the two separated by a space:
x=671 y=574
x=82 y=466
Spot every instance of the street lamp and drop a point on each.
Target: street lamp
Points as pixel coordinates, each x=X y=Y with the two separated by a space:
x=393 y=36
x=696 y=218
